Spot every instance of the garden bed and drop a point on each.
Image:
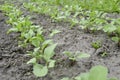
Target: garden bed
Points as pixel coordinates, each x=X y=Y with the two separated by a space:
x=13 y=59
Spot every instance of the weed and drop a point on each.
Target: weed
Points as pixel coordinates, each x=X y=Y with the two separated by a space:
x=96 y=45
x=104 y=54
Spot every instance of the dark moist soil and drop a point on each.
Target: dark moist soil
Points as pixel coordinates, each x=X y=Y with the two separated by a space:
x=13 y=60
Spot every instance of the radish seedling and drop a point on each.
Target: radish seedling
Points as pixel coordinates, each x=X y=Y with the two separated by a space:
x=95 y=73
x=43 y=53
x=32 y=35
x=74 y=56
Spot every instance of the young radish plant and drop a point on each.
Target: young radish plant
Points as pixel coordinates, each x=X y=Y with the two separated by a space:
x=43 y=53
x=73 y=57
x=96 y=73
x=113 y=29
x=92 y=17
x=43 y=50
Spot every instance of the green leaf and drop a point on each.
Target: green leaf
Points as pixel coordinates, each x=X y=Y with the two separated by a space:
x=113 y=79
x=29 y=34
x=46 y=43
x=116 y=39
x=66 y=78
x=109 y=28
x=33 y=60
x=49 y=52
x=83 y=55
x=83 y=76
x=12 y=30
x=39 y=31
x=40 y=70
x=54 y=32
x=36 y=49
x=35 y=41
x=68 y=53
x=51 y=63
x=78 y=77
x=36 y=53
x=98 y=73
x=40 y=37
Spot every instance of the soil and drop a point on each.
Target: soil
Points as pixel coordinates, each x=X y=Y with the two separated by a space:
x=13 y=60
